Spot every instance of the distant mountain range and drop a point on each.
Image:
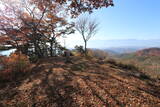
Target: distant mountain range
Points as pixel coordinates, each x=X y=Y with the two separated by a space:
x=122 y=50
x=149 y=52
x=134 y=44
x=124 y=46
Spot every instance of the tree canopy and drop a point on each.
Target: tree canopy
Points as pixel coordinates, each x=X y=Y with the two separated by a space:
x=32 y=26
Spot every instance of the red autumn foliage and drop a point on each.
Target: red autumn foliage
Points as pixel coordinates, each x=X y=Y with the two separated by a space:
x=35 y=23
x=14 y=65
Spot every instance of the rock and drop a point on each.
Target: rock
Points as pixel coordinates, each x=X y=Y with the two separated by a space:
x=1 y=67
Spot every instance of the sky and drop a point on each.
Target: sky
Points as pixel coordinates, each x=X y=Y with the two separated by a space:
x=127 y=20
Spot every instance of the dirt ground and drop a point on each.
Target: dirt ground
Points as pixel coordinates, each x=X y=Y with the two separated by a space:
x=82 y=83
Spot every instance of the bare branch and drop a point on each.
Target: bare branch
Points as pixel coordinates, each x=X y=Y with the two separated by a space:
x=87 y=28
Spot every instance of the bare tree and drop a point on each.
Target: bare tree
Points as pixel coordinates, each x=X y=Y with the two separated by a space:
x=87 y=28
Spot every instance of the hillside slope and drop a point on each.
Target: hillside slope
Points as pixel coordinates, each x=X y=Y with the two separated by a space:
x=149 y=52
x=52 y=83
x=148 y=60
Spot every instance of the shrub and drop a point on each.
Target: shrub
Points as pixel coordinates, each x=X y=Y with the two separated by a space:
x=6 y=75
x=33 y=58
x=144 y=76
x=18 y=62
x=78 y=67
x=14 y=65
x=96 y=53
x=79 y=49
x=121 y=65
x=128 y=66
x=111 y=61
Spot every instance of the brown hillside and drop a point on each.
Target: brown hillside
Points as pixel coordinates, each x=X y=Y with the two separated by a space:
x=149 y=52
x=83 y=83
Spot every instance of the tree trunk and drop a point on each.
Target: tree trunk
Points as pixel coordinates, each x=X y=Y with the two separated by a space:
x=38 y=50
x=51 y=49
x=85 y=48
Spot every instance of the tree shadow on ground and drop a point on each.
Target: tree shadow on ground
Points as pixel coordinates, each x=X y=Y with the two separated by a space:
x=59 y=92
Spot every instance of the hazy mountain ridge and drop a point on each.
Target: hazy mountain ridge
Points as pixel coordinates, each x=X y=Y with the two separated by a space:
x=124 y=43
x=122 y=50
x=149 y=52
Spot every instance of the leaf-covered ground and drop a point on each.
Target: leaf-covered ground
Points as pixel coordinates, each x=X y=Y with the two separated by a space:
x=82 y=83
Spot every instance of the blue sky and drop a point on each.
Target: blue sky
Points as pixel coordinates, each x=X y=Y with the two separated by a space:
x=128 y=19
